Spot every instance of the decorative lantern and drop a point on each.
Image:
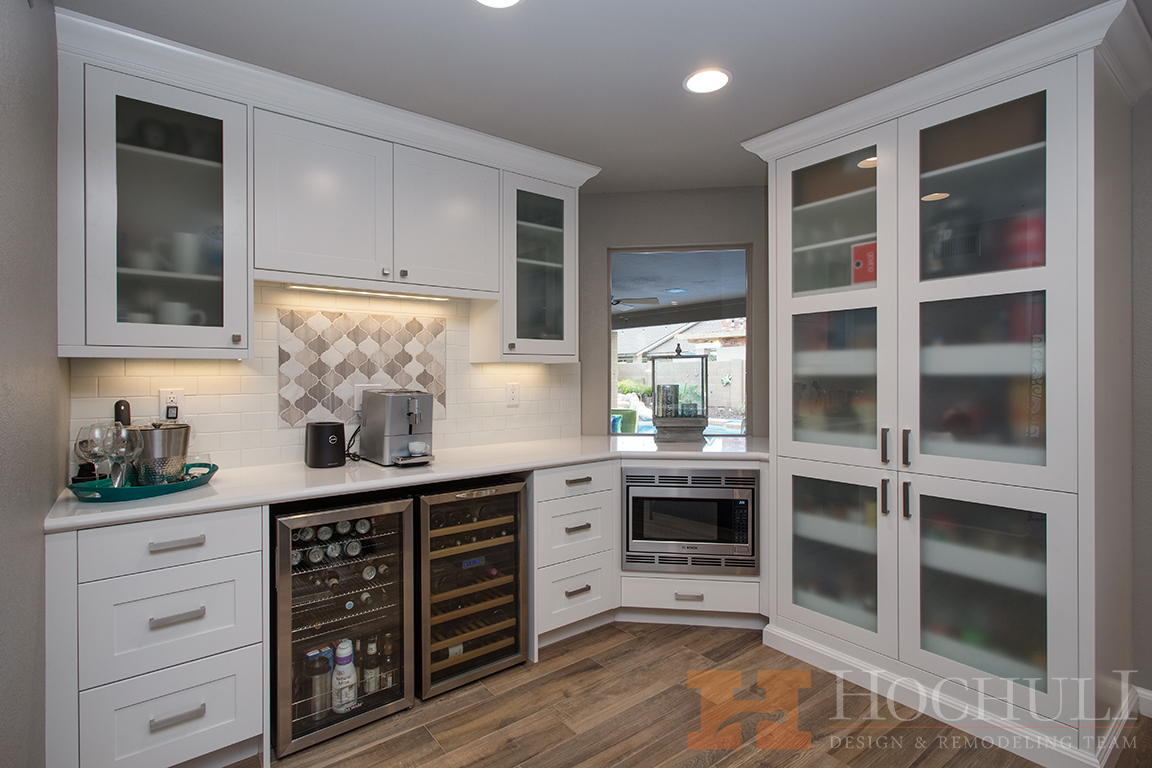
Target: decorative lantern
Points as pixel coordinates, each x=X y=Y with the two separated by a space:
x=680 y=397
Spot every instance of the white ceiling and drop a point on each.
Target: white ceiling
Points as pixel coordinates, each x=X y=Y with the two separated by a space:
x=600 y=80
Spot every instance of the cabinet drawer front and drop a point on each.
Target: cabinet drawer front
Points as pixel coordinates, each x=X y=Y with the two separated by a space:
x=690 y=594
x=122 y=549
x=148 y=621
x=575 y=527
x=175 y=715
x=575 y=590
x=562 y=482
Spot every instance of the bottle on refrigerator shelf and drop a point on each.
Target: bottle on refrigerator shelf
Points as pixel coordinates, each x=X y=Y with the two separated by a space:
x=363 y=526
x=386 y=676
x=333 y=551
x=352 y=548
x=344 y=527
x=344 y=679
x=371 y=667
x=324 y=532
x=307 y=534
x=316 y=555
x=358 y=659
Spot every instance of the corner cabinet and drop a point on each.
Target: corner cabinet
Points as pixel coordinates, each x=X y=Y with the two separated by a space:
x=153 y=233
x=535 y=319
x=952 y=402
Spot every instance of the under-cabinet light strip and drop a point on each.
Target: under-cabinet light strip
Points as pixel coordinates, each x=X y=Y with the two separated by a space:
x=366 y=293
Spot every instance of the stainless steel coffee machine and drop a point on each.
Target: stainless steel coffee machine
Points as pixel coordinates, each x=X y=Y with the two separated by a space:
x=396 y=426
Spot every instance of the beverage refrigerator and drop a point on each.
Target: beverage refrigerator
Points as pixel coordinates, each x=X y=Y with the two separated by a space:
x=473 y=583
x=343 y=615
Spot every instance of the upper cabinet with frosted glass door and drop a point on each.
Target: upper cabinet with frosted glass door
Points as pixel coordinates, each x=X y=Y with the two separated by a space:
x=537 y=311
x=165 y=267
x=836 y=299
x=987 y=293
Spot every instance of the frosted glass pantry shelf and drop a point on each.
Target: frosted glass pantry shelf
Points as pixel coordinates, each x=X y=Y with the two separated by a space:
x=829 y=437
x=538 y=263
x=1004 y=454
x=159 y=274
x=835 y=362
x=984 y=659
x=834 y=218
x=867 y=237
x=849 y=613
x=1011 y=155
x=834 y=289
x=839 y=200
x=1003 y=570
x=1012 y=359
x=171 y=156
x=530 y=225
x=840 y=533
x=995 y=181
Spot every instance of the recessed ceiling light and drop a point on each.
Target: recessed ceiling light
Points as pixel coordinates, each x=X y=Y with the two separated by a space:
x=675 y=290
x=707 y=80
x=931 y=198
x=868 y=162
x=498 y=3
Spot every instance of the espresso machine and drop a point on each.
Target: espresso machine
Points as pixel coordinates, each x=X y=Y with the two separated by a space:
x=396 y=427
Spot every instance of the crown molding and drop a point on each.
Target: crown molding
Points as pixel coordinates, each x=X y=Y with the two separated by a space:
x=1125 y=46
x=134 y=52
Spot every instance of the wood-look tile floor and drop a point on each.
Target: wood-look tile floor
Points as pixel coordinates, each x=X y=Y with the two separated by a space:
x=618 y=696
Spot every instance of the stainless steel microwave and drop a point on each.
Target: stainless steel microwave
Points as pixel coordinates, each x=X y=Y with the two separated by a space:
x=691 y=520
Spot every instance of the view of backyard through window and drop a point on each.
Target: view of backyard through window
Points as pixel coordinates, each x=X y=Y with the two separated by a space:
x=691 y=300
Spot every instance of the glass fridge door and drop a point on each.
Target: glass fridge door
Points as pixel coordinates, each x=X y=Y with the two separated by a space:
x=344 y=620
x=474 y=589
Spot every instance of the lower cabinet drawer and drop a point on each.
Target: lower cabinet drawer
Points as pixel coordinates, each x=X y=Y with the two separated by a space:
x=690 y=594
x=144 y=622
x=168 y=717
x=575 y=527
x=576 y=590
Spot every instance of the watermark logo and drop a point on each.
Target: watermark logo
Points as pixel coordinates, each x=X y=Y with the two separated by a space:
x=718 y=704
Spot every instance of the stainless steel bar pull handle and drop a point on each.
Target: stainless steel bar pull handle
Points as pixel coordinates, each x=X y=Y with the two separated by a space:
x=578 y=481
x=579 y=591
x=907 y=501
x=165 y=546
x=905 y=441
x=578 y=528
x=884 y=497
x=177 y=618
x=699 y=598
x=476 y=494
x=183 y=717
x=884 y=445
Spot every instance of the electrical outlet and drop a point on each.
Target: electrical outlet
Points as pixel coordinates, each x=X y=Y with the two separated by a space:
x=171 y=398
x=512 y=395
x=358 y=395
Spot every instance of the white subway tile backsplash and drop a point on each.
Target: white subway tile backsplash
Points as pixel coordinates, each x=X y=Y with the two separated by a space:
x=234 y=404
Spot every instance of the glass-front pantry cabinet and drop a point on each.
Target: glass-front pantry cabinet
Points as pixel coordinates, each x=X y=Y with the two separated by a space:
x=157 y=262
x=952 y=402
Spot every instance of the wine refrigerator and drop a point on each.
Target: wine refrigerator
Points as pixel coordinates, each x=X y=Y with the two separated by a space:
x=473 y=584
x=344 y=653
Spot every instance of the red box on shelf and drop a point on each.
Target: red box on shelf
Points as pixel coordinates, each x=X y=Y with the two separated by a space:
x=864 y=263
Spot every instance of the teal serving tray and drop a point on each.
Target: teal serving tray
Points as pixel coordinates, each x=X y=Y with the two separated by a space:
x=102 y=490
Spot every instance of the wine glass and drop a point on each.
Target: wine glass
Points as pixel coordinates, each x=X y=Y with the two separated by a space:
x=92 y=443
x=124 y=444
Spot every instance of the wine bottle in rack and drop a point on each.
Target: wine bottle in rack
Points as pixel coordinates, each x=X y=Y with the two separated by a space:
x=344 y=527
x=324 y=532
x=352 y=548
x=307 y=534
x=371 y=666
x=388 y=678
x=363 y=526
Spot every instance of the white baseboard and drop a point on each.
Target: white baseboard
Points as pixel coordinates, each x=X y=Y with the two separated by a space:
x=1145 y=701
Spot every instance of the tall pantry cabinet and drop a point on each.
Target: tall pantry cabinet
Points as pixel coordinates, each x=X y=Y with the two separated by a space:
x=952 y=311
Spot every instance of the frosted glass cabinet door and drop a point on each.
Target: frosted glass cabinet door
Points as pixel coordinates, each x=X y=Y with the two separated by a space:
x=836 y=294
x=539 y=267
x=837 y=551
x=987 y=291
x=988 y=588
x=166 y=236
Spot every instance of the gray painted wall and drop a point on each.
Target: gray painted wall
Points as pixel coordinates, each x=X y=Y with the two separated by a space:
x=642 y=220
x=33 y=382
x=1142 y=388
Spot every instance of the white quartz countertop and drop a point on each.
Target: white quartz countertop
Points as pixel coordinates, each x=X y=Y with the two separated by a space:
x=255 y=486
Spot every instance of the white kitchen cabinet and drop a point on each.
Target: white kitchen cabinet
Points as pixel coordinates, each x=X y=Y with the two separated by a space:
x=322 y=199
x=535 y=319
x=691 y=594
x=959 y=578
x=447 y=214
x=936 y=304
x=978 y=373
x=155 y=641
x=161 y=267
x=576 y=536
